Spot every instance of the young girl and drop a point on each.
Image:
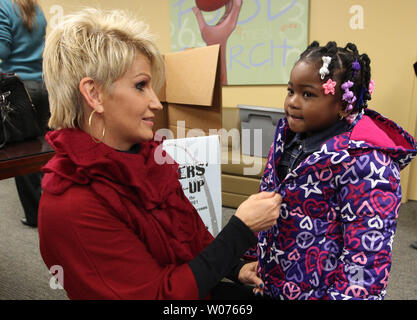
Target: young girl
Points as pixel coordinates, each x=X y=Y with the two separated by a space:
x=337 y=166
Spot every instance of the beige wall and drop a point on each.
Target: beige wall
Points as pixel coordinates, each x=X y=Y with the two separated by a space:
x=154 y=12
x=388 y=36
x=412 y=186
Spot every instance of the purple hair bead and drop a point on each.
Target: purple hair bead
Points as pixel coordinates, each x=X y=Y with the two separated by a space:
x=356 y=66
x=347 y=85
x=348 y=96
x=349 y=108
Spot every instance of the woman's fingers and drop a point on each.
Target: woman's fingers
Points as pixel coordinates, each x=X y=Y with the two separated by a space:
x=260 y=211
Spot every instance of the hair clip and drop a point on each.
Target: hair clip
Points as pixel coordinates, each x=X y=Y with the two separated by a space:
x=356 y=66
x=371 y=86
x=329 y=87
x=324 y=70
x=348 y=96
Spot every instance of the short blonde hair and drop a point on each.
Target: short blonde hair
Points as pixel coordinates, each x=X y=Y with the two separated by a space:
x=98 y=44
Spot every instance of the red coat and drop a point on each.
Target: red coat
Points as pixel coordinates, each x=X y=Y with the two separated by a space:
x=118 y=224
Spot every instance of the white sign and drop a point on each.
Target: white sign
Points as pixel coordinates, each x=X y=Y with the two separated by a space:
x=200 y=176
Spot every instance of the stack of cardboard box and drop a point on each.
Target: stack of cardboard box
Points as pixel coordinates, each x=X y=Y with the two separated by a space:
x=192 y=104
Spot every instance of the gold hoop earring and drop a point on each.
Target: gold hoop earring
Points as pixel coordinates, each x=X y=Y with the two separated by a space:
x=341 y=117
x=91 y=131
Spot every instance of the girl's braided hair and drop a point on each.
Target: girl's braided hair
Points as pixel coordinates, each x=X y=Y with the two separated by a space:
x=341 y=68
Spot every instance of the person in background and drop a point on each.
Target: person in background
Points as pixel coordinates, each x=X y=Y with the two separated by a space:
x=337 y=165
x=116 y=221
x=22 y=39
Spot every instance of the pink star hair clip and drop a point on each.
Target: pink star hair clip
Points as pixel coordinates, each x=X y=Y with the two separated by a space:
x=329 y=87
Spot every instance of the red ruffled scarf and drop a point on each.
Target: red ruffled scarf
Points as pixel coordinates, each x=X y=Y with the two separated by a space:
x=145 y=195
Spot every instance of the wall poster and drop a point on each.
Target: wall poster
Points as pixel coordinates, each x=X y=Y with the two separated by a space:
x=260 y=39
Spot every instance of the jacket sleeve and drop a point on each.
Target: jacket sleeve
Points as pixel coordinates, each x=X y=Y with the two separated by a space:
x=221 y=257
x=5 y=33
x=369 y=200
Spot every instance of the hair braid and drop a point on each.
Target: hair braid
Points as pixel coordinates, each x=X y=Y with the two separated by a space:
x=366 y=77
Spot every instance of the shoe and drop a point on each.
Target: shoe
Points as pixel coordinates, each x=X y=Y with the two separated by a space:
x=414 y=245
x=26 y=223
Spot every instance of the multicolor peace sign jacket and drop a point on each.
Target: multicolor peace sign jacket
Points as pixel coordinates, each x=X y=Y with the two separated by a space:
x=333 y=239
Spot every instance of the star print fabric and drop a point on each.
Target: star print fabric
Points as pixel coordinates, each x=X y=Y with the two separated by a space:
x=334 y=236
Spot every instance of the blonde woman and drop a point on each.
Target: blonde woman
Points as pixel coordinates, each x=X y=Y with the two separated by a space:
x=117 y=222
x=22 y=39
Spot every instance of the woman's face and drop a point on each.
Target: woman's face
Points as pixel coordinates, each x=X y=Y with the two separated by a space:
x=129 y=109
x=307 y=108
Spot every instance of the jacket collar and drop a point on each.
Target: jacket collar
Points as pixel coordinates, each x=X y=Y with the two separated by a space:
x=313 y=142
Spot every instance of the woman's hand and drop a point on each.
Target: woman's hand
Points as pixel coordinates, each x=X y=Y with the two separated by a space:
x=248 y=275
x=260 y=211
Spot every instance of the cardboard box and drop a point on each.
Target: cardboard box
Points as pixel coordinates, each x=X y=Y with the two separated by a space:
x=192 y=101
x=191 y=95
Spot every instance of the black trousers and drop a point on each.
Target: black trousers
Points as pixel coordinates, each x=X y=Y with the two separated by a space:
x=29 y=191
x=29 y=186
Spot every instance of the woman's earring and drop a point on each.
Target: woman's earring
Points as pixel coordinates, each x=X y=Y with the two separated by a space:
x=91 y=131
x=341 y=117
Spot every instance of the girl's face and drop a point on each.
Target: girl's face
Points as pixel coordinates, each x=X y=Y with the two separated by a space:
x=129 y=109
x=307 y=108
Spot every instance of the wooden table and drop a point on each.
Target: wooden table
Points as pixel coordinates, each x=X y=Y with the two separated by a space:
x=24 y=157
